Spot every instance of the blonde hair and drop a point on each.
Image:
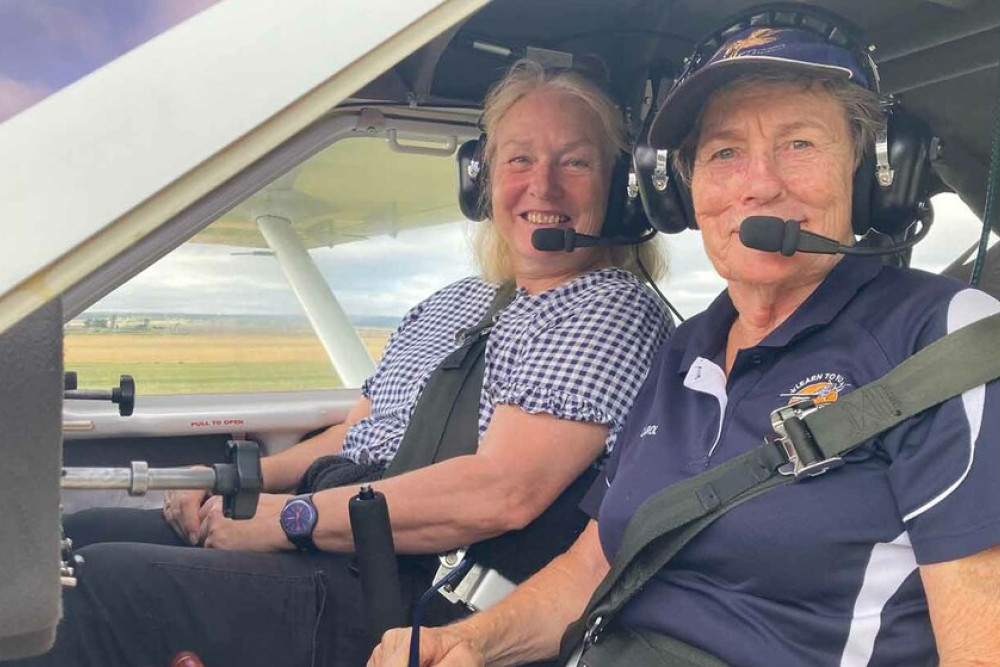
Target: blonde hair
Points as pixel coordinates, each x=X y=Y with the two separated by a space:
x=526 y=77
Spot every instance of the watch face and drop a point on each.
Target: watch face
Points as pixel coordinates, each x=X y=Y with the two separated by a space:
x=298 y=517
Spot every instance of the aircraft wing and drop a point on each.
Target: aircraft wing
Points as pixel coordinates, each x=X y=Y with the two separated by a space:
x=330 y=200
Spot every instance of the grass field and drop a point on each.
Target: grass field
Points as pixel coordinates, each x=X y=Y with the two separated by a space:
x=206 y=363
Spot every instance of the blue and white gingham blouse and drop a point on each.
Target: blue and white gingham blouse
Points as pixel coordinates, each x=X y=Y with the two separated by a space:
x=578 y=351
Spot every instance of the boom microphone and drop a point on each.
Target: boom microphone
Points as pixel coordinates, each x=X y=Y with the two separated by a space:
x=550 y=239
x=770 y=234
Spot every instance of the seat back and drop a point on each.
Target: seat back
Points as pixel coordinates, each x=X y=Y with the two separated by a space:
x=31 y=385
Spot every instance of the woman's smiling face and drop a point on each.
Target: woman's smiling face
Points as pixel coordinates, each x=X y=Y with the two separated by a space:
x=549 y=170
x=777 y=150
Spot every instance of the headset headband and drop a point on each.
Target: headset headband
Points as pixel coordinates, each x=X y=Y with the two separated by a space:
x=782 y=36
x=893 y=183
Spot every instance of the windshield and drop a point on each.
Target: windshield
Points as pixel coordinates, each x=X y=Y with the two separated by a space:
x=219 y=313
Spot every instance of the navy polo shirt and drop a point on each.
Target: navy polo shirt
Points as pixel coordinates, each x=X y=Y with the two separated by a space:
x=824 y=571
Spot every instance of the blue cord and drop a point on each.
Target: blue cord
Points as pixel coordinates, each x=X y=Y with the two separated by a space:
x=418 y=614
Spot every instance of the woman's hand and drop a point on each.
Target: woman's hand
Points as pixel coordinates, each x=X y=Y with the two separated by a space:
x=438 y=646
x=261 y=533
x=180 y=509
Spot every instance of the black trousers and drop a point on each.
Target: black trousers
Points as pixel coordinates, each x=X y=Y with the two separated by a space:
x=143 y=596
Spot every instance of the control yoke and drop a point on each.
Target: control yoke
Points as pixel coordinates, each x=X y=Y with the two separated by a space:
x=238 y=480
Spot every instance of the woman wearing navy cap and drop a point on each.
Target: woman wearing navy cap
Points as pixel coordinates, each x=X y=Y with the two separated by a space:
x=891 y=559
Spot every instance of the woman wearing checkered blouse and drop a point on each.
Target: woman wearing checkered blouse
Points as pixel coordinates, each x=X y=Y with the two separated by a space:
x=562 y=365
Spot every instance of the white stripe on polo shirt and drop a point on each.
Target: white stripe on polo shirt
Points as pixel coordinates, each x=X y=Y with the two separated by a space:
x=966 y=307
x=889 y=566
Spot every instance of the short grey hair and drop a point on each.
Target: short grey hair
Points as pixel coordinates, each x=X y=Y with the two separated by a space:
x=862 y=108
x=524 y=78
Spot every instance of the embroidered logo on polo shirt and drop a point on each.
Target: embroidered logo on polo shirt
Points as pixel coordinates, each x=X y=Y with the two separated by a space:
x=821 y=388
x=649 y=429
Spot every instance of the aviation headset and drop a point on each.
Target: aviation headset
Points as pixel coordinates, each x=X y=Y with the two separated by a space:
x=625 y=217
x=892 y=185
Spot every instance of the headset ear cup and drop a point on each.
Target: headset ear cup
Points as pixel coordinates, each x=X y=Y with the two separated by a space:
x=625 y=216
x=862 y=204
x=683 y=194
x=471 y=176
x=666 y=209
x=896 y=207
x=615 y=213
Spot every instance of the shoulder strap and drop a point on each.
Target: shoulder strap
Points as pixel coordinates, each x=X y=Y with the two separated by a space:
x=947 y=367
x=811 y=440
x=445 y=419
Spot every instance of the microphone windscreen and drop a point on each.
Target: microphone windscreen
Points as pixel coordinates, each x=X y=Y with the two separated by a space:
x=762 y=232
x=551 y=239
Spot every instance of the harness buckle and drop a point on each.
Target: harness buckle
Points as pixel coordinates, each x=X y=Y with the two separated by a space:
x=595 y=626
x=805 y=458
x=480 y=588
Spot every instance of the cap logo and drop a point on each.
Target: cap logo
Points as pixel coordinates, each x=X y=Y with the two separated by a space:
x=757 y=38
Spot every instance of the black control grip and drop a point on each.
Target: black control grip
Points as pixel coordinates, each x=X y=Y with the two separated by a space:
x=239 y=480
x=377 y=564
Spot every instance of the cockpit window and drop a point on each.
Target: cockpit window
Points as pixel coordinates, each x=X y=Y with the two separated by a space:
x=956 y=228
x=227 y=311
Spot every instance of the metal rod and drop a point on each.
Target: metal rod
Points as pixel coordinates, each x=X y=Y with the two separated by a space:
x=135 y=480
x=87 y=394
x=342 y=343
x=495 y=49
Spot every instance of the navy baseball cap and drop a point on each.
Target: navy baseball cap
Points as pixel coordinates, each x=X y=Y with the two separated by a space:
x=743 y=52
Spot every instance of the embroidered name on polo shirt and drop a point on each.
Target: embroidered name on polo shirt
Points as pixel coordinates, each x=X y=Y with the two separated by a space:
x=820 y=387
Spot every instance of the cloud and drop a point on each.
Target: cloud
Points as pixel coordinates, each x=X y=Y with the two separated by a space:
x=48 y=44
x=16 y=96
x=956 y=228
x=385 y=276
x=165 y=14
x=53 y=41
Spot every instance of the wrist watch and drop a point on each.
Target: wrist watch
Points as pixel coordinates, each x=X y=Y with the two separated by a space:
x=298 y=520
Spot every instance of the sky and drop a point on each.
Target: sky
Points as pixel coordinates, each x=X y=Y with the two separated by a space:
x=47 y=44
x=384 y=276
